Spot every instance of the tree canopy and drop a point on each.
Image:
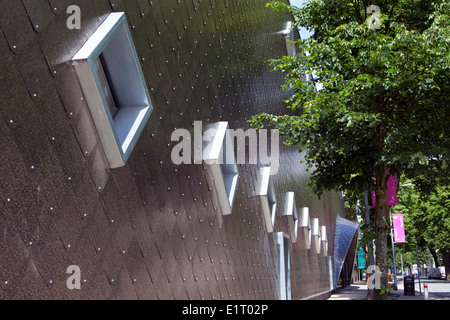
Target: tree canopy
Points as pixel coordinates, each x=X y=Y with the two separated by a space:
x=427 y=221
x=383 y=102
x=383 y=98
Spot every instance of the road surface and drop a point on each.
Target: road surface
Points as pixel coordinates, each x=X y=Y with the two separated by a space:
x=438 y=289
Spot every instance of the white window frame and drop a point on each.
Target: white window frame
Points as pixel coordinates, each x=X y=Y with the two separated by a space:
x=219 y=156
x=119 y=133
x=316 y=234
x=324 y=240
x=292 y=216
x=289 y=38
x=268 y=198
x=306 y=226
x=281 y=240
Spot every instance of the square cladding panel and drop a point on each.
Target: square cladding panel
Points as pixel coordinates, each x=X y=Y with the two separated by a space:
x=111 y=77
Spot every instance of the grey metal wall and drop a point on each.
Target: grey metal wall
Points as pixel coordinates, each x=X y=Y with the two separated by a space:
x=148 y=230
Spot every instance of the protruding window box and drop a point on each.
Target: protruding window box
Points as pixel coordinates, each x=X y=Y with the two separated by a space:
x=268 y=199
x=324 y=240
x=289 y=38
x=219 y=157
x=292 y=216
x=281 y=240
x=111 y=77
x=316 y=234
x=306 y=227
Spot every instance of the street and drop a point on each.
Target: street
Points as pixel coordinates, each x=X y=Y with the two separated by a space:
x=437 y=289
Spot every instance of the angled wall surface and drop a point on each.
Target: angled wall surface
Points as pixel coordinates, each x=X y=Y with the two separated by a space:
x=149 y=229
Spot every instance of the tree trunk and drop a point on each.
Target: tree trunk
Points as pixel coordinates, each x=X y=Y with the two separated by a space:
x=381 y=249
x=433 y=253
x=369 y=251
x=381 y=226
x=369 y=295
x=446 y=259
x=380 y=222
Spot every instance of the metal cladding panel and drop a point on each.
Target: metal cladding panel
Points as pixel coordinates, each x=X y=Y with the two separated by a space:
x=150 y=229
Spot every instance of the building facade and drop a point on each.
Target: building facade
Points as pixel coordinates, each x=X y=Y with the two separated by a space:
x=149 y=228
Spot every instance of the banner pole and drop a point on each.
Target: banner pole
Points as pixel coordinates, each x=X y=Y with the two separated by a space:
x=393 y=251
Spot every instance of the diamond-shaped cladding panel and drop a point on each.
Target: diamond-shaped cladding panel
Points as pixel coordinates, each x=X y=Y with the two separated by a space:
x=148 y=230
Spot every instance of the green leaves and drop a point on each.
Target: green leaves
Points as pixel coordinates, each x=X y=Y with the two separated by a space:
x=427 y=216
x=382 y=90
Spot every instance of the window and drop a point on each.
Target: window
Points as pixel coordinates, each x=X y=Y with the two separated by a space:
x=306 y=226
x=289 y=38
x=316 y=234
x=219 y=156
x=104 y=78
x=268 y=199
x=324 y=240
x=111 y=77
x=292 y=217
x=284 y=265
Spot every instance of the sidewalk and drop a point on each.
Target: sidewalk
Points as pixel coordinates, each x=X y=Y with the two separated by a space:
x=358 y=291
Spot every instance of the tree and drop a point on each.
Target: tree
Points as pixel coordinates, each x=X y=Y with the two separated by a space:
x=427 y=221
x=381 y=100
x=436 y=218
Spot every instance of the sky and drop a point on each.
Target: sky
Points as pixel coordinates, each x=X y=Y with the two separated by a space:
x=303 y=32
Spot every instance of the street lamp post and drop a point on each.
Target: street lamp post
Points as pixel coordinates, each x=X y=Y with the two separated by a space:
x=393 y=252
x=401 y=259
x=418 y=271
x=417 y=255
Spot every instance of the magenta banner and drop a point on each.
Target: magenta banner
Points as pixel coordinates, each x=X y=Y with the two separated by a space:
x=391 y=193
x=399 y=228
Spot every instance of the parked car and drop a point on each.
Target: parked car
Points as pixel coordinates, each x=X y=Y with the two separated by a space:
x=434 y=273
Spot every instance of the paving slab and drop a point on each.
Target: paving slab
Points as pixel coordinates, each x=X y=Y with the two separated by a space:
x=358 y=291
